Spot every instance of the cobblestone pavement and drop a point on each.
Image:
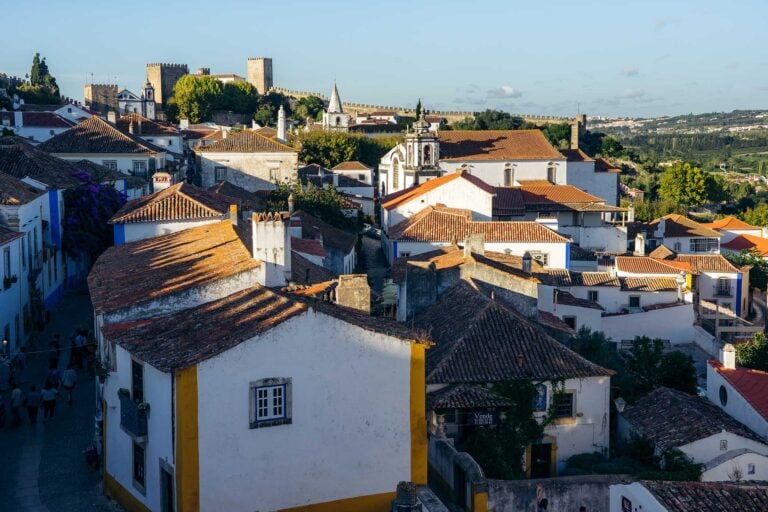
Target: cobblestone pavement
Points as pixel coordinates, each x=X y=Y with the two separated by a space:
x=42 y=467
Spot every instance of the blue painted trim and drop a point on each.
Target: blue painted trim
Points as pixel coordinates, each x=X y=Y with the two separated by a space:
x=119 y=232
x=739 y=278
x=54 y=297
x=394 y=251
x=53 y=205
x=568 y=255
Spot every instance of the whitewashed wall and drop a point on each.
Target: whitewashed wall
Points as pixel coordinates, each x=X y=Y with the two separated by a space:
x=143 y=230
x=124 y=162
x=639 y=497
x=706 y=449
x=724 y=472
x=673 y=323
x=492 y=172
x=251 y=171
x=350 y=430
x=736 y=405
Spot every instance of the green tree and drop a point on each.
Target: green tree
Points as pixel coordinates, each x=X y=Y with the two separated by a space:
x=758 y=274
x=757 y=216
x=323 y=203
x=651 y=367
x=493 y=120
x=676 y=370
x=754 y=353
x=34 y=74
x=309 y=107
x=611 y=147
x=684 y=184
x=558 y=134
x=197 y=97
x=266 y=115
x=239 y=97
x=42 y=87
x=716 y=188
x=418 y=109
x=328 y=148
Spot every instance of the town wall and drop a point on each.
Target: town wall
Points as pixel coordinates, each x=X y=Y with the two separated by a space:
x=562 y=493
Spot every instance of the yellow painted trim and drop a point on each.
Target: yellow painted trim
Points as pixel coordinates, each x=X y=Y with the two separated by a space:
x=480 y=502
x=187 y=448
x=121 y=495
x=371 y=503
x=553 y=460
x=528 y=460
x=418 y=415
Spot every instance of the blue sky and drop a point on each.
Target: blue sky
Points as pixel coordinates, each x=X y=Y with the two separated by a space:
x=640 y=58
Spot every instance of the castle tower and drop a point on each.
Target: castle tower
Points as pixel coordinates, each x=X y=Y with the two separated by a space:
x=334 y=118
x=163 y=78
x=259 y=73
x=101 y=97
x=148 y=105
x=422 y=152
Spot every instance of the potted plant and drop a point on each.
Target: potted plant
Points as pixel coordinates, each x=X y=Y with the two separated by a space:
x=101 y=371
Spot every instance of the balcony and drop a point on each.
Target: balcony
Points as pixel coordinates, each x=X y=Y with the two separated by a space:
x=133 y=415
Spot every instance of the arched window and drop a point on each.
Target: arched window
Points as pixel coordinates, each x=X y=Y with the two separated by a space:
x=395 y=174
x=427 y=155
x=338 y=121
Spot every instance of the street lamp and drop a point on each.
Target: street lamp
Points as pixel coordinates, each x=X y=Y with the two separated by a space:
x=6 y=348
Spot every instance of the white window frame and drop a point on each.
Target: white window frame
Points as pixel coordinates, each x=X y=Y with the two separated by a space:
x=594 y=293
x=139 y=168
x=219 y=173
x=276 y=396
x=109 y=164
x=541 y=257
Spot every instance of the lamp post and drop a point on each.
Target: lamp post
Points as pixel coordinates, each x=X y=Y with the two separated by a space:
x=6 y=348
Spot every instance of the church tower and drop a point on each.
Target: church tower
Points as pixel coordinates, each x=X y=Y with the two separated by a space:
x=422 y=152
x=148 y=103
x=335 y=119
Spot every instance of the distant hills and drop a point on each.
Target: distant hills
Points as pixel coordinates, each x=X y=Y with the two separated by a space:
x=712 y=122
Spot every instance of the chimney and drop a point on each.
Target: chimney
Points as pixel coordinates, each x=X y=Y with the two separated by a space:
x=271 y=241
x=290 y=204
x=631 y=213
x=527 y=262
x=184 y=124
x=139 y=127
x=281 y=125
x=406 y=498
x=112 y=117
x=354 y=292
x=233 y=214
x=640 y=244
x=728 y=356
x=474 y=244
x=130 y=127
x=520 y=360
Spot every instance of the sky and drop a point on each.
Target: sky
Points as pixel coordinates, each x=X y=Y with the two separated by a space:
x=559 y=57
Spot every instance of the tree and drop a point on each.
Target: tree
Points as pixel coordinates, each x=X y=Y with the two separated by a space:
x=611 y=147
x=269 y=105
x=323 y=203
x=418 y=109
x=558 y=135
x=754 y=353
x=308 y=107
x=716 y=188
x=239 y=97
x=34 y=74
x=684 y=184
x=676 y=371
x=42 y=87
x=197 y=97
x=758 y=274
x=651 y=367
x=328 y=148
x=493 y=120
x=757 y=216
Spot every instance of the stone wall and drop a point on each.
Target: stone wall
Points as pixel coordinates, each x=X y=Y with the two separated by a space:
x=566 y=493
x=354 y=292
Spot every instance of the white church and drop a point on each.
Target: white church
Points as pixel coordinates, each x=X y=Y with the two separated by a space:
x=131 y=103
x=334 y=118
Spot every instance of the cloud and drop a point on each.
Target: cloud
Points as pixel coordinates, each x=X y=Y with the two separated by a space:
x=504 y=92
x=665 y=21
x=630 y=71
x=633 y=94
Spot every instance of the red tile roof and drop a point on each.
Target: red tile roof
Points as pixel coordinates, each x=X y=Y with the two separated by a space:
x=496 y=145
x=748 y=243
x=148 y=126
x=603 y=165
x=7 y=235
x=94 y=135
x=166 y=265
x=751 y=384
x=403 y=196
x=576 y=155
x=352 y=165
x=679 y=226
x=14 y=192
x=648 y=284
x=645 y=265
x=247 y=141
x=709 y=496
x=38 y=119
x=308 y=246
x=706 y=263
x=544 y=194
x=440 y=224
x=729 y=222
x=181 y=201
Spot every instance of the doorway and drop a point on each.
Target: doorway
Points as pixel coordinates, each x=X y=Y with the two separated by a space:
x=541 y=460
x=167 y=495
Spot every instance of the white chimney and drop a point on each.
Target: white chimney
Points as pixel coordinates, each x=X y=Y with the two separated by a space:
x=112 y=117
x=281 y=125
x=639 y=244
x=18 y=119
x=272 y=246
x=527 y=262
x=183 y=124
x=728 y=356
x=631 y=213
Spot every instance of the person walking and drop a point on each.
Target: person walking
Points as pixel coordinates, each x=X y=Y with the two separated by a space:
x=55 y=350
x=68 y=381
x=33 y=400
x=49 y=402
x=53 y=378
x=16 y=406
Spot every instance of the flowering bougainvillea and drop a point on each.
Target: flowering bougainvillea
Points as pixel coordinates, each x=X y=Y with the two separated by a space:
x=87 y=208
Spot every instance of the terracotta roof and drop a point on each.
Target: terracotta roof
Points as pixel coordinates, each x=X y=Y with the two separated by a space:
x=567 y=299
x=352 y=165
x=248 y=200
x=729 y=222
x=332 y=237
x=37 y=119
x=748 y=243
x=214 y=135
x=566 y=278
x=167 y=264
x=706 y=263
x=603 y=165
x=403 y=196
x=308 y=246
x=576 y=155
x=479 y=340
x=709 y=496
x=305 y=272
x=645 y=265
x=440 y=224
x=267 y=131
x=662 y=252
x=670 y=418
x=679 y=226
x=196 y=334
x=94 y=135
x=496 y=145
x=547 y=319
x=751 y=384
x=648 y=284
x=562 y=194
x=181 y=201
x=20 y=159
x=507 y=202
x=247 y=141
x=534 y=183
x=7 y=235
x=148 y=126
x=13 y=191
x=464 y=396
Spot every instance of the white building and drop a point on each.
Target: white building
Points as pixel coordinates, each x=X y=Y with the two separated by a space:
x=34 y=126
x=248 y=160
x=334 y=117
x=131 y=103
x=659 y=496
x=683 y=235
x=731 y=227
x=674 y=420
x=356 y=171
x=340 y=246
x=480 y=341
x=11 y=327
x=160 y=135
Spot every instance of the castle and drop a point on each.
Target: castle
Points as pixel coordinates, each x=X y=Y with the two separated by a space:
x=163 y=78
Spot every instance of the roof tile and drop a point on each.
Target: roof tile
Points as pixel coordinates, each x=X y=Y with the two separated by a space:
x=496 y=145
x=247 y=141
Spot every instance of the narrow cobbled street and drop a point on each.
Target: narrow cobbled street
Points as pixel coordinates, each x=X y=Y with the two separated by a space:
x=42 y=466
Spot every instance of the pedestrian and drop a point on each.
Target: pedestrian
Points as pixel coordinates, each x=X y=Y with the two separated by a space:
x=16 y=402
x=53 y=378
x=33 y=400
x=79 y=348
x=55 y=350
x=68 y=381
x=49 y=402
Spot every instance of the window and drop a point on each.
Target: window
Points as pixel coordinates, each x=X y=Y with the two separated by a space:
x=270 y=402
x=23 y=254
x=7 y=263
x=634 y=301
x=551 y=172
x=137 y=381
x=704 y=244
x=427 y=155
x=170 y=142
x=51 y=133
x=395 y=174
x=138 y=466
x=110 y=164
x=540 y=400
x=139 y=168
x=361 y=177
x=404 y=254
x=592 y=295
x=562 y=405
x=723 y=287
x=220 y=174
x=570 y=321
x=723 y=396
x=750 y=468
x=723 y=445
x=541 y=257
x=677 y=247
